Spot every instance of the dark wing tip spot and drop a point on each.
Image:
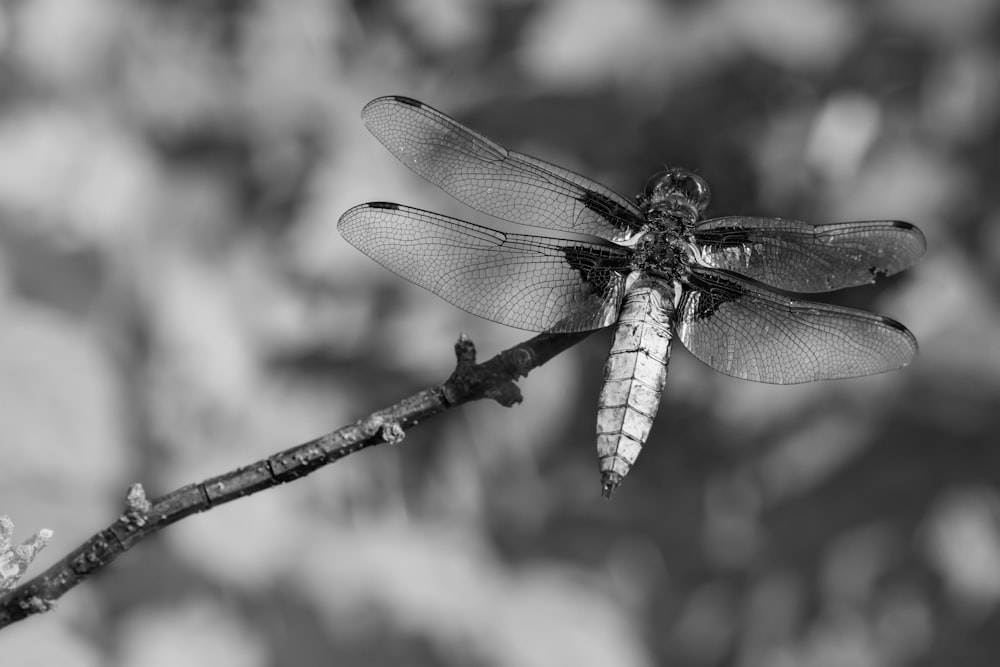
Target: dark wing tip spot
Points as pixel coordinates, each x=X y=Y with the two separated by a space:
x=388 y=205
x=893 y=324
x=369 y=109
x=913 y=230
x=407 y=100
x=903 y=331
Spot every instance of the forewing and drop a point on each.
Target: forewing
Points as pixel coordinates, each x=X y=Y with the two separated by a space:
x=800 y=257
x=748 y=332
x=499 y=182
x=528 y=282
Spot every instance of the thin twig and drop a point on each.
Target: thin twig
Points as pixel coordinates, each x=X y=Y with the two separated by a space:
x=494 y=379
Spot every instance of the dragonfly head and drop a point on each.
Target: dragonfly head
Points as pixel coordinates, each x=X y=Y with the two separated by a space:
x=679 y=190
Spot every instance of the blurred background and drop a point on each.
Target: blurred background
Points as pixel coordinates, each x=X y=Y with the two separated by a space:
x=176 y=302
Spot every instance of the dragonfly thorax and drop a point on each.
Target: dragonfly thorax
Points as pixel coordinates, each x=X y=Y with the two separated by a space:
x=664 y=252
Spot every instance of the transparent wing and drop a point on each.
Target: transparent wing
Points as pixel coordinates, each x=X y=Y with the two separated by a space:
x=528 y=282
x=499 y=182
x=751 y=333
x=800 y=257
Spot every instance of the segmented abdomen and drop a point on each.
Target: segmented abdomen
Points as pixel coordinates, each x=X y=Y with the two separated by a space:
x=634 y=376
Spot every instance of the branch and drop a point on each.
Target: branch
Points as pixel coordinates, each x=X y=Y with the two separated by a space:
x=494 y=379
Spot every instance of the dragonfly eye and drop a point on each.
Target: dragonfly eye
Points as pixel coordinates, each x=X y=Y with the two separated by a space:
x=681 y=186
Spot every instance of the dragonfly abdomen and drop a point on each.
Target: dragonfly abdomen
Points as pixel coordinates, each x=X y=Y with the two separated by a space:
x=634 y=375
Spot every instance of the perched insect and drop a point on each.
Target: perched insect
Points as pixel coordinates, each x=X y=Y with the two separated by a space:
x=659 y=270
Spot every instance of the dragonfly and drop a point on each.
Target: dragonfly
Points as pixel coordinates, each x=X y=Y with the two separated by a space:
x=653 y=267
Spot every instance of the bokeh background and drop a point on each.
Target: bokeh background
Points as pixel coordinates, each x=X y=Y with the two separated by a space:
x=175 y=301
